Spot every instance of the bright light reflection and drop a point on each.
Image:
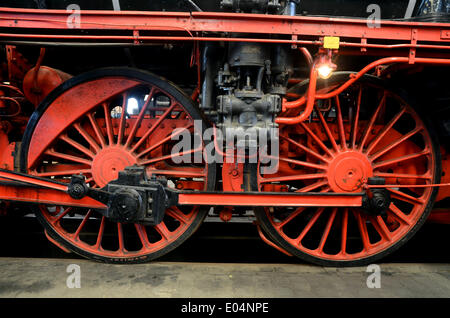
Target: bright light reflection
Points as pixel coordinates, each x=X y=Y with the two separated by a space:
x=132 y=106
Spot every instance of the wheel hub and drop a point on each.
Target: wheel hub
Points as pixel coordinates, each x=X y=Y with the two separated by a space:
x=349 y=171
x=108 y=162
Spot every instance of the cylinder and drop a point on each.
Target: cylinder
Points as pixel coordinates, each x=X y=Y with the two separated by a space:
x=248 y=54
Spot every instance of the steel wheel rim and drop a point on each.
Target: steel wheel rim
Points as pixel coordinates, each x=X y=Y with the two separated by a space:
x=113 y=134
x=388 y=236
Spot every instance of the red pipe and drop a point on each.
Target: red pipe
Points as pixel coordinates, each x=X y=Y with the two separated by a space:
x=307 y=55
x=311 y=98
x=353 y=78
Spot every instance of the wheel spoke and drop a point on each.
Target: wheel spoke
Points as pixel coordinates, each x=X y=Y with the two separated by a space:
x=87 y=137
x=301 y=163
x=59 y=155
x=340 y=123
x=82 y=224
x=381 y=228
x=344 y=227
x=360 y=219
x=356 y=121
x=163 y=231
x=164 y=140
x=185 y=172
x=62 y=173
x=316 y=139
x=308 y=226
x=401 y=159
x=399 y=215
x=396 y=143
x=171 y=156
x=97 y=130
x=326 y=233
x=326 y=189
x=402 y=175
x=142 y=233
x=175 y=213
x=290 y=217
x=404 y=197
x=305 y=149
x=100 y=233
x=78 y=146
x=120 y=237
x=372 y=121
x=123 y=118
x=152 y=129
x=60 y=216
x=384 y=131
x=313 y=186
x=294 y=177
x=108 y=122
x=327 y=130
x=139 y=119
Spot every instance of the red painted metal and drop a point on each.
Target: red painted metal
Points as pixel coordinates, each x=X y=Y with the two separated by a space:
x=226 y=214
x=63 y=114
x=33 y=181
x=348 y=171
x=40 y=81
x=343 y=168
x=56 y=194
x=341 y=155
x=56 y=242
x=45 y=196
x=17 y=65
x=100 y=137
x=233 y=176
x=310 y=99
x=270 y=243
x=185 y=22
x=307 y=55
x=267 y=199
x=7 y=158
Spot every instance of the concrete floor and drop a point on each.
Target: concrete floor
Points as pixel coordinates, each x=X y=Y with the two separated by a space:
x=37 y=277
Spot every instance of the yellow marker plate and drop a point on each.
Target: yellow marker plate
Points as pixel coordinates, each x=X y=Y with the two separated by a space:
x=331 y=42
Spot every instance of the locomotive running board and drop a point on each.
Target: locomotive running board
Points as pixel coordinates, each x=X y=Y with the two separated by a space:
x=27 y=188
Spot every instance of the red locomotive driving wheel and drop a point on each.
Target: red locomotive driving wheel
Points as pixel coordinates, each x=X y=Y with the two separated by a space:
x=366 y=131
x=98 y=123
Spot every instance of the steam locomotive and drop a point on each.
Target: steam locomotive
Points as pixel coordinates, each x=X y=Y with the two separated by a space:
x=124 y=124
